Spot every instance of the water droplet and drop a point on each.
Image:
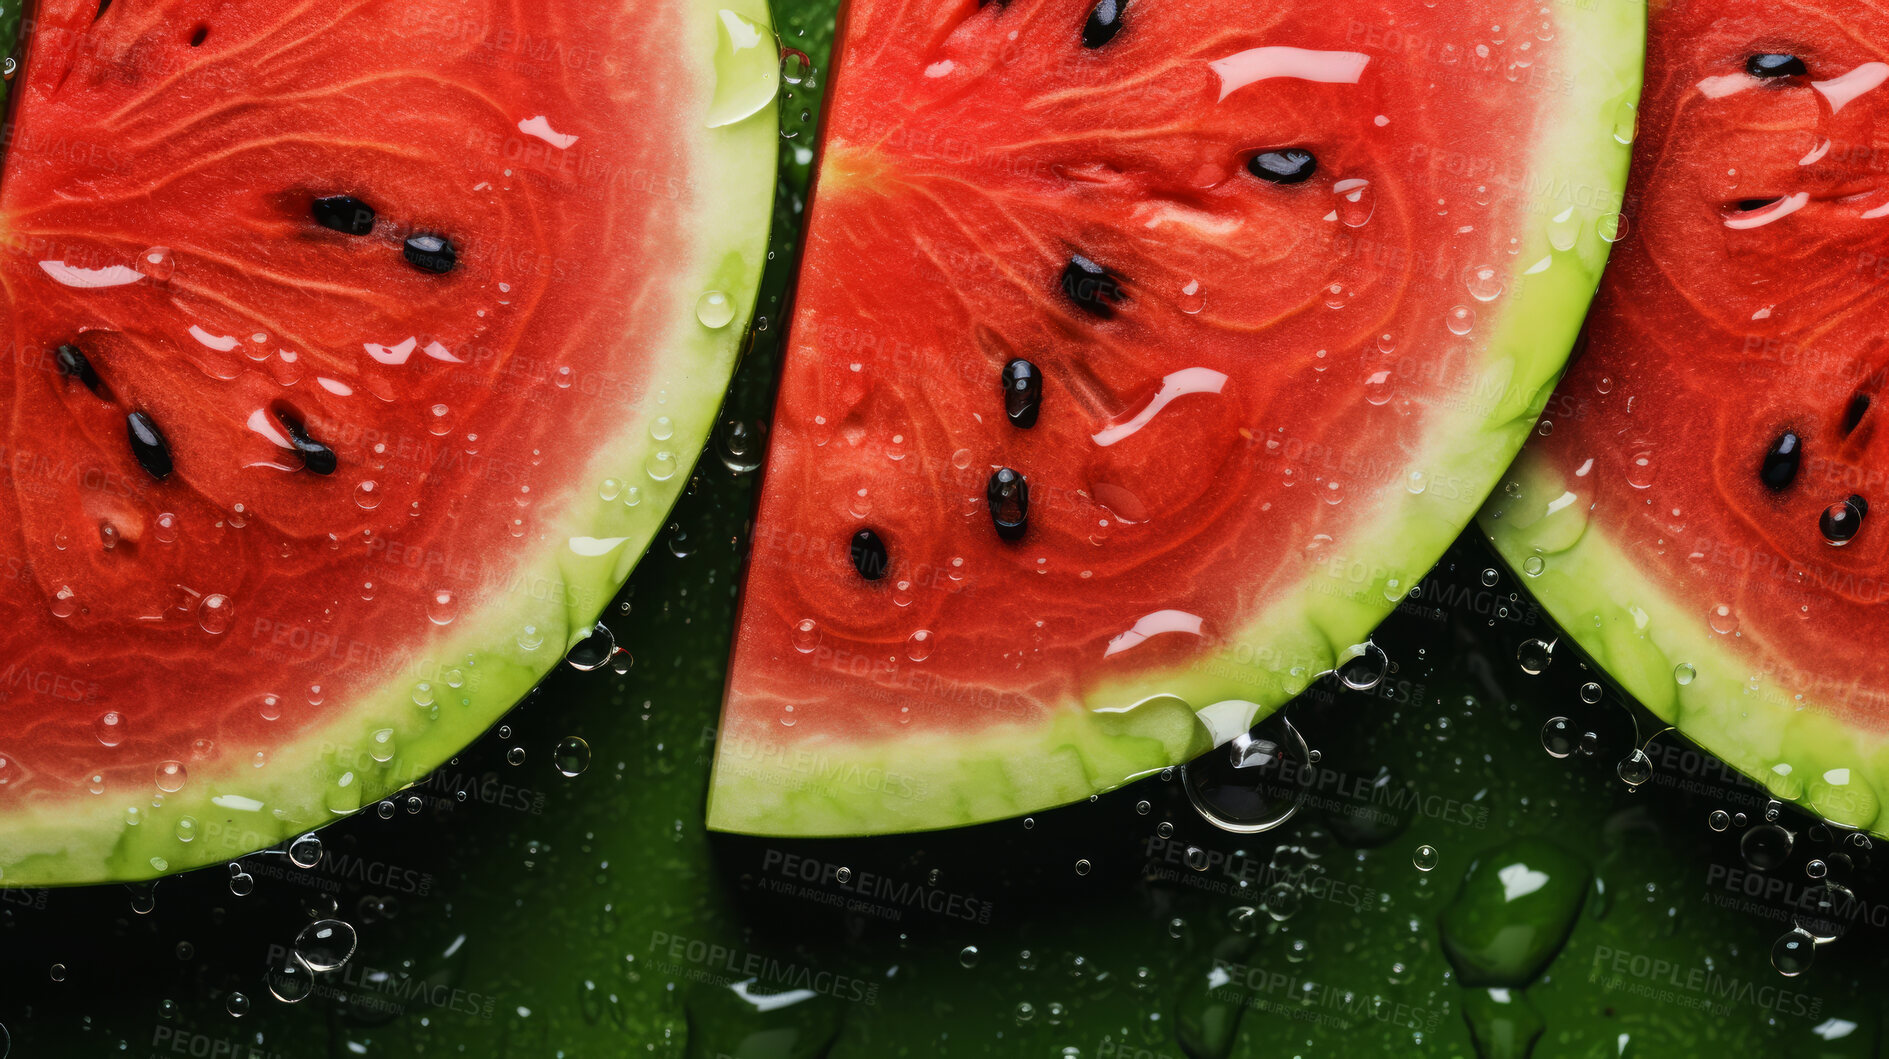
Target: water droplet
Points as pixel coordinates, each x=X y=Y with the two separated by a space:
x=593 y=649
x=1534 y=656
x=237 y=1005
x=918 y=645
x=1362 y=667
x=967 y=957
x=1626 y=122
x=110 y=728
x=1683 y=673
x=290 y=980
x=1082 y=867
x=171 y=776
x=795 y=66
x=1766 y=846
x=215 y=613
x=1816 y=869
x=1460 y=320
x=1490 y=577
x=1534 y=565
x=1611 y=227
x=1356 y=201
x=1425 y=858
x=1723 y=620
x=739 y=446
x=1718 y=820
x=1557 y=737
x=1590 y=693
x=572 y=756
x=1793 y=953
x=806 y=635
x=441 y=607
x=325 y=945
x=158 y=264
x=1192 y=299
x=1635 y=769
x=305 y=851
x=714 y=310
x=747 y=69
x=242 y=884
x=530 y=639
x=1640 y=469
x=660 y=466
x=1484 y=282
x=367 y=495
x=515 y=756
x=1564 y=229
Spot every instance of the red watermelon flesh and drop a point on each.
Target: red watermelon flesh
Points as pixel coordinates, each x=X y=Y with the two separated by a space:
x=294 y=504
x=1690 y=519
x=1293 y=283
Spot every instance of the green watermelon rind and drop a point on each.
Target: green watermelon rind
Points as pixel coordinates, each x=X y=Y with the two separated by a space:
x=1797 y=748
x=1121 y=731
x=388 y=741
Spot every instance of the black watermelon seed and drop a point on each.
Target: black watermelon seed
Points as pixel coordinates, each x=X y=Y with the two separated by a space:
x=1853 y=414
x=74 y=364
x=1092 y=287
x=1752 y=205
x=316 y=457
x=1775 y=64
x=1023 y=393
x=869 y=555
x=344 y=213
x=1105 y=20
x=1841 y=521
x=1294 y=165
x=1781 y=460
x=1009 y=498
x=148 y=445
x=431 y=253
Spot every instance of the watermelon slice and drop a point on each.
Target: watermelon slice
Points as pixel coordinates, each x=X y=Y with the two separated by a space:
x=1701 y=520
x=357 y=351
x=1145 y=355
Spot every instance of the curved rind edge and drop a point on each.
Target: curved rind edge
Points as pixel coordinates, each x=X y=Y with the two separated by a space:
x=1096 y=745
x=1794 y=746
x=389 y=741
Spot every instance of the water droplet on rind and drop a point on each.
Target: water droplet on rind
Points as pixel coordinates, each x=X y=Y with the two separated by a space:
x=747 y=69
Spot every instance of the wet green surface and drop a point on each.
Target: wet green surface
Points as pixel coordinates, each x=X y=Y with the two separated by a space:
x=509 y=910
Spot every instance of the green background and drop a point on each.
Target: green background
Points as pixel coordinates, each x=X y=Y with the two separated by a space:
x=509 y=910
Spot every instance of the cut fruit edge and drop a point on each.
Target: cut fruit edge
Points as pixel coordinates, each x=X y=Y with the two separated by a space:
x=1641 y=637
x=1125 y=730
x=385 y=742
